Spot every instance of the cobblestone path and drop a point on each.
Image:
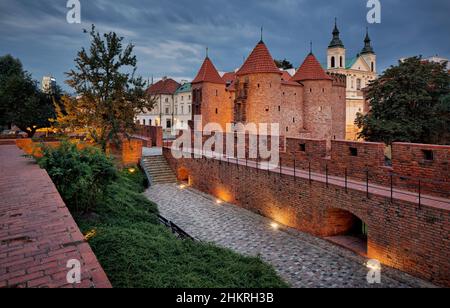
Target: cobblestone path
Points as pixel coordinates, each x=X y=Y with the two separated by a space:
x=302 y=260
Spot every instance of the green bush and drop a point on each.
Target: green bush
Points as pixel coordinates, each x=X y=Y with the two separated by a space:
x=137 y=252
x=131 y=245
x=81 y=176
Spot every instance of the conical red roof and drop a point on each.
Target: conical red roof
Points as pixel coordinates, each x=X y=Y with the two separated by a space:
x=208 y=73
x=259 y=61
x=311 y=70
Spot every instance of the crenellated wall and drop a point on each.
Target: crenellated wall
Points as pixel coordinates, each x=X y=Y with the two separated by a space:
x=402 y=234
x=409 y=168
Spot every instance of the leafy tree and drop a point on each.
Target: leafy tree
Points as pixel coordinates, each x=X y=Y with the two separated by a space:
x=109 y=94
x=21 y=101
x=81 y=176
x=409 y=103
x=284 y=64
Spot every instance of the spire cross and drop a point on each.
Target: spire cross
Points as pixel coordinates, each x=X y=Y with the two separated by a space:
x=311 y=47
x=262 y=31
x=207 y=52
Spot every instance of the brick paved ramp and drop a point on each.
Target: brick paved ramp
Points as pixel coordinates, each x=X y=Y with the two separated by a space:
x=37 y=233
x=302 y=260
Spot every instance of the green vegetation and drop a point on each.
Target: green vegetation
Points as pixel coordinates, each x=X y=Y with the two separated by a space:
x=21 y=102
x=109 y=95
x=409 y=103
x=136 y=251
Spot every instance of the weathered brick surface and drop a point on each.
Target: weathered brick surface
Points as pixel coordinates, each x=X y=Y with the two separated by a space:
x=403 y=234
x=360 y=160
x=154 y=133
x=129 y=154
x=37 y=233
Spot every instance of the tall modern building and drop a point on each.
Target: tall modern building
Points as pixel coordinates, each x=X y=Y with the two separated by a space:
x=48 y=85
x=359 y=71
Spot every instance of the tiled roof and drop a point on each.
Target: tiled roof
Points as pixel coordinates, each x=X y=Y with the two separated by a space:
x=259 y=61
x=208 y=73
x=350 y=62
x=187 y=87
x=166 y=86
x=229 y=77
x=286 y=79
x=311 y=70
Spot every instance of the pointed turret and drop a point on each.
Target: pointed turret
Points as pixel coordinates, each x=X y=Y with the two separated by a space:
x=208 y=73
x=368 y=49
x=310 y=70
x=259 y=61
x=336 y=41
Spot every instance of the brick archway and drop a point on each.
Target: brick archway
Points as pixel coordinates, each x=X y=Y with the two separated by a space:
x=183 y=174
x=347 y=230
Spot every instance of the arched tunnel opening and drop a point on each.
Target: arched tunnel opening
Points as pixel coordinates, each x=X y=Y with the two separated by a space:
x=347 y=230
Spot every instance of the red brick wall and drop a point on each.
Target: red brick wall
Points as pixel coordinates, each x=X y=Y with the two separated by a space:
x=154 y=133
x=130 y=154
x=408 y=163
x=404 y=235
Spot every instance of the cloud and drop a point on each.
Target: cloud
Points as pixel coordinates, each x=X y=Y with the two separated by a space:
x=171 y=36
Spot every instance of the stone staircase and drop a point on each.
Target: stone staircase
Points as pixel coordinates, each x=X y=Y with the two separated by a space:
x=158 y=170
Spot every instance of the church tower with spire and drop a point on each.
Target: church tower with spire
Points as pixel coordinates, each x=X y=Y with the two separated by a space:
x=368 y=53
x=359 y=70
x=336 y=51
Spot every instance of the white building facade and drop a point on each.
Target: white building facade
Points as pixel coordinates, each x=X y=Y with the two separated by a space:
x=183 y=106
x=360 y=71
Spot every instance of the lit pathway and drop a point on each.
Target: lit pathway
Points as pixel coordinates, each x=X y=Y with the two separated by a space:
x=302 y=260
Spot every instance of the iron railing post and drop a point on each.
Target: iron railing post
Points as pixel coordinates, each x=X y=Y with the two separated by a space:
x=309 y=168
x=367 y=183
x=392 y=188
x=295 y=176
x=346 y=181
x=281 y=170
x=420 y=193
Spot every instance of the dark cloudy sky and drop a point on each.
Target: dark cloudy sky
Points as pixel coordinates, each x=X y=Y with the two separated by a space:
x=171 y=35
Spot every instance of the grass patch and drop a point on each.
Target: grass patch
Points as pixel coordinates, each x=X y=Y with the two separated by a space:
x=137 y=252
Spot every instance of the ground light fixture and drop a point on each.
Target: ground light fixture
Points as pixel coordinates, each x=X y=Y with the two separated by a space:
x=132 y=170
x=275 y=226
x=218 y=201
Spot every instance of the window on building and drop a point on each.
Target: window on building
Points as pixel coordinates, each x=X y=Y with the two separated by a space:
x=279 y=108
x=150 y=122
x=189 y=97
x=189 y=108
x=143 y=122
x=287 y=129
x=167 y=100
x=428 y=155
x=373 y=67
x=358 y=84
x=176 y=110
x=353 y=151
x=217 y=93
x=168 y=123
x=182 y=109
x=341 y=62
x=303 y=147
x=182 y=98
x=217 y=110
x=333 y=62
x=167 y=110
